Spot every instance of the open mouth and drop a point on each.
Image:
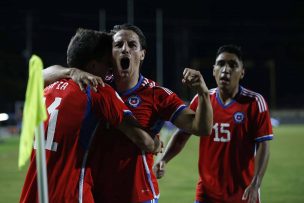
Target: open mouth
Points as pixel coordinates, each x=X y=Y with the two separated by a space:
x=224 y=78
x=125 y=62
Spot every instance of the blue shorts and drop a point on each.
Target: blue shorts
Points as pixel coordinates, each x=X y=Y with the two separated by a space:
x=196 y=201
x=151 y=201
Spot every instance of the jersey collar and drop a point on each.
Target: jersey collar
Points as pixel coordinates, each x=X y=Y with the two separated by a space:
x=129 y=91
x=231 y=102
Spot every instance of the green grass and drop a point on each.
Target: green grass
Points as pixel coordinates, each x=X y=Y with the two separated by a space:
x=11 y=178
x=178 y=184
x=283 y=181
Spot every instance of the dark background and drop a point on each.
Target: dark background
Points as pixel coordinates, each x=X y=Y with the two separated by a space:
x=270 y=33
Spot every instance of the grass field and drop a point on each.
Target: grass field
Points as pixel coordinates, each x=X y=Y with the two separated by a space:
x=283 y=181
x=11 y=178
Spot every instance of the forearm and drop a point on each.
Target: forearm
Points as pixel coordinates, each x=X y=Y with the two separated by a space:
x=54 y=73
x=203 y=120
x=142 y=139
x=201 y=124
x=175 y=145
x=261 y=162
x=131 y=128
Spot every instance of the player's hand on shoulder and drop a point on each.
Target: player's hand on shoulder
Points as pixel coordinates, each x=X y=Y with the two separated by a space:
x=159 y=169
x=194 y=79
x=84 y=79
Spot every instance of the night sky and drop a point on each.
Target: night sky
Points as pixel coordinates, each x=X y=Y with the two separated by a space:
x=270 y=34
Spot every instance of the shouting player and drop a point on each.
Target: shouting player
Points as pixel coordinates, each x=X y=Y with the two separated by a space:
x=128 y=176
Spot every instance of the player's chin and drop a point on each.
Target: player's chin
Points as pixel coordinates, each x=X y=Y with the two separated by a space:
x=222 y=86
x=124 y=74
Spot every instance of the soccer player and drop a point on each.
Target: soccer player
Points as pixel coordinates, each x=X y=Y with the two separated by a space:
x=128 y=176
x=74 y=116
x=123 y=173
x=233 y=160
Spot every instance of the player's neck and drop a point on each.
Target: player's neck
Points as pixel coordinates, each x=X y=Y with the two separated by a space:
x=227 y=96
x=124 y=84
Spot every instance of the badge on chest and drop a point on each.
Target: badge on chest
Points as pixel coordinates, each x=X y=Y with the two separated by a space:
x=134 y=101
x=239 y=117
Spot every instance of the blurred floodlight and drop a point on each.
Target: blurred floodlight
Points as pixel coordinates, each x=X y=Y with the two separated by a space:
x=3 y=116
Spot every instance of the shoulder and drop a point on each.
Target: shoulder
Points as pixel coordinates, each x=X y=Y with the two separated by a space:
x=63 y=84
x=163 y=90
x=154 y=86
x=148 y=83
x=211 y=92
x=255 y=97
x=105 y=92
x=105 y=88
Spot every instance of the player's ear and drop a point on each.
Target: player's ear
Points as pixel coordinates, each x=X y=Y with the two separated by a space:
x=243 y=71
x=89 y=66
x=92 y=67
x=213 y=73
x=143 y=54
x=92 y=64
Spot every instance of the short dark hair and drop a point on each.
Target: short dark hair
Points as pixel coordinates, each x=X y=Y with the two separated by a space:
x=88 y=45
x=230 y=48
x=134 y=28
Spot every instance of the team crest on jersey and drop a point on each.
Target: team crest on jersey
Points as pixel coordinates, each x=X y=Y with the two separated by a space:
x=134 y=101
x=239 y=117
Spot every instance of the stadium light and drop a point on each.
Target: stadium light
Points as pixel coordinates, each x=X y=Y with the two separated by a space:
x=4 y=116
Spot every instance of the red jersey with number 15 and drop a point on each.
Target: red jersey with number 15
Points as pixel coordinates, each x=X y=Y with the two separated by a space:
x=226 y=158
x=72 y=119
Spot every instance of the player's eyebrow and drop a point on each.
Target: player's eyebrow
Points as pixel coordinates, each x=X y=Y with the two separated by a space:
x=223 y=62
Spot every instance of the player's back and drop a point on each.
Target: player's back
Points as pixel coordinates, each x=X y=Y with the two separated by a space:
x=73 y=117
x=67 y=136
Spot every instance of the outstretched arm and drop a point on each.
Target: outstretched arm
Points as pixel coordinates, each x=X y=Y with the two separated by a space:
x=199 y=122
x=82 y=78
x=261 y=162
x=174 y=146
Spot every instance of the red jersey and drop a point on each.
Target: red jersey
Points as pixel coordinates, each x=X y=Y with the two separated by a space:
x=125 y=172
x=72 y=119
x=226 y=158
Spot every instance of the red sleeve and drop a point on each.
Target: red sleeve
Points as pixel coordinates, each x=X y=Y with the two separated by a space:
x=167 y=103
x=194 y=103
x=261 y=118
x=108 y=104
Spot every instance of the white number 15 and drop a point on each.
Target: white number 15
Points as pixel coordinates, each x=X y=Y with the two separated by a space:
x=221 y=132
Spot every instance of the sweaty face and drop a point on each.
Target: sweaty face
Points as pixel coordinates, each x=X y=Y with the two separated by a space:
x=127 y=54
x=228 y=71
